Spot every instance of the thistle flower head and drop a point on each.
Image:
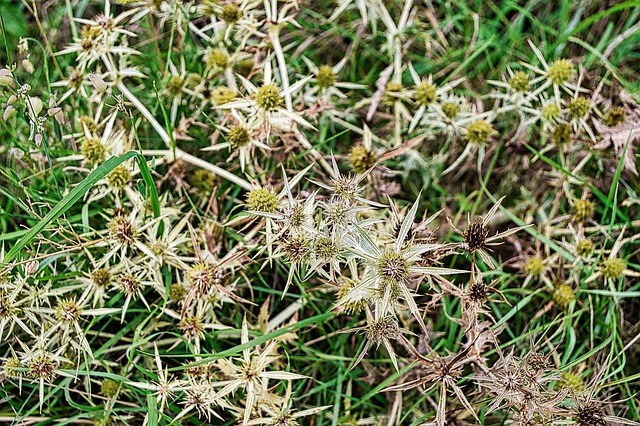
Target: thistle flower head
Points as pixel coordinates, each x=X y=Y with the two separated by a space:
x=561 y=134
x=590 y=414
x=534 y=266
x=574 y=381
x=202 y=277
x=231 y=13
x=68 y=311
x=582 y=210
x=393 y=267
x=520 y=82
x=223 y=95
x=9 y=366
x=450 y=110
x=325 y=248
x=426 y=93
x=615 y=116
x=238 y=136
x=93 y=150
x=382 y=329
x=101 y=277
x=579 y=107
x=119 y=177
x=353 y=306
x=297 y=248
x=560 y=71
x=268 y=98
x=563 y=295
x=361 y=159
x=325 y=77
x=475 y=235
x=42 y=367
x=613 y=268
x=122 y=230
x=551 y=111
x=129 y=284
x=191 y=326
x=203 y=180
x=175 y=84
x=244 y=67
x=177 y=293
x=585 y=248
x=217 y=58
x=479 y=132
x=262 y=200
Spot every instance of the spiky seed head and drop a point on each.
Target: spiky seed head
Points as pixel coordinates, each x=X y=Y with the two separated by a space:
x=563 y=295
x=393 y=267
x=296 y=216
x=390 y=92
x=561 y=134
x=42 y=367
x=325 y=248
x=87 y=44
x=534 y=267
x=361 y=159
x=177 y=293
x=122 y=230
x=337 y=212
x=85 y=120
x=203 y=180
x=193 y=79
x=7 y=310
x=286 y=419
x=175 y=85
x=479 y=132
x=615 y=116
x=268 y=98
x=560 y=71
x=9 y=366
x=384 y=328
x=68 y=311
x=582 y=210
x=238 y=136
x=426 y=93
x=537 y=363
x=613 y=268
x=478 y=291
x=231 y=13
x=579 y=107
x=217 y=58
x=244 y=67
x=325 y=77
x=262 y=200
x=353 y=306
x=590 y=414
x=109 y=388
x=191 y=326
x=520 y=82
x=585 y=248
x=451 y=110
x=119 y=177
x=201 y=276
x=551 y=111
x=297 y=248
x=573 y=381
x=101 y=277
x=475 y=235
x=223 y=95
x=129 y=284
x=345 y=187
x=93 y=150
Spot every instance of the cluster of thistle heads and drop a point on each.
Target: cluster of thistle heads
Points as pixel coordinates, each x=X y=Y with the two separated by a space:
x=229 y=79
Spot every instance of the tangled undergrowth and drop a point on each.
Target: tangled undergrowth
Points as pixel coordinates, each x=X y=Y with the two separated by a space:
x=283 y=213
